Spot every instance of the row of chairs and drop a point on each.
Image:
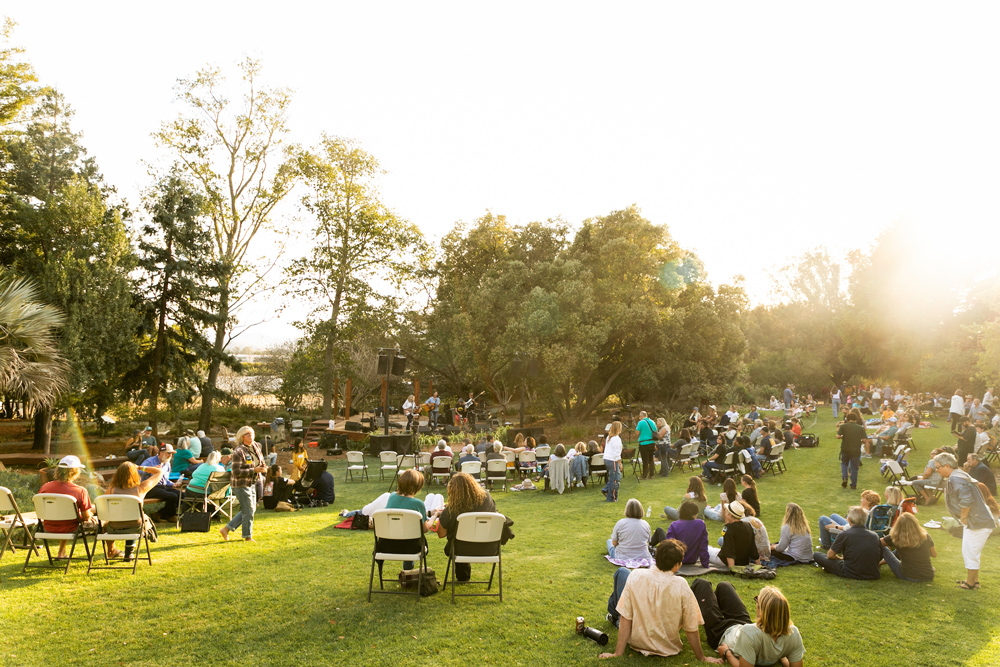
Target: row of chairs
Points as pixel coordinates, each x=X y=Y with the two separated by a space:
x=475 y=529
x=62 y=507
x=441 y=467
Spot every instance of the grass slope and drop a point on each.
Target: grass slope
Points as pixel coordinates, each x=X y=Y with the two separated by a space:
x=298 y=597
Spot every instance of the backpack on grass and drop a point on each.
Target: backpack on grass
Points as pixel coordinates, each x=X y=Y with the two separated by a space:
x=808 y=440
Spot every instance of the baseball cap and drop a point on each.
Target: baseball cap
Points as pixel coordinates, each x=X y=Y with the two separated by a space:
x=168 y=448
x=148 y=428
x=737 y=509
x=226 y=451
x=70 y=462
x=892 y=419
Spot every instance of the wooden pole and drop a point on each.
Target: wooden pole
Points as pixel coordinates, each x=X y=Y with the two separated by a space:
x=336 y=401
x=416 y=391
x=347 y=400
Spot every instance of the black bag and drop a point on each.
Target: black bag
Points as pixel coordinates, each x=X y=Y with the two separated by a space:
x=408 y=580
x=808 y=440
x=756 y=572
x=196 y=522
x=359 y=521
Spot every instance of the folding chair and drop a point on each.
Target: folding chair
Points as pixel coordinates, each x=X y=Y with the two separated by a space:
x=403 y=462
x=119 y=508
x=511 y=459
x=477 y=532
x=597 y=470
x=297 y=429
x=896 y=474
x=474 y=468
x=388 y=462
x=356 y=461
x=687 y=455
x=441 y=469
x=57 y=507
x=729 y=468
x=390 y=526
x=542 y=453
x=423 y=459
x=482 y=457
x=526 y=463
x=13 y=521
x=775 y=460
x=496 y=471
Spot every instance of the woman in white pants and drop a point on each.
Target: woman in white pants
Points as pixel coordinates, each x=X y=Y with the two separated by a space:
x=965 y=502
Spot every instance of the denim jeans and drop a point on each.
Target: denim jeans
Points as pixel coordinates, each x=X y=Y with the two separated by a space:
x=824 y=535
x=620 y=577
x=611 y=548
x=247 y=497
x=665 y=453
x=851 y=466
x=433 y=419
x=614 y=477
x=896 y=566
x=836 y=407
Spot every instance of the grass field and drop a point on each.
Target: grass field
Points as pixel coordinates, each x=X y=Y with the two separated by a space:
x=298 y=597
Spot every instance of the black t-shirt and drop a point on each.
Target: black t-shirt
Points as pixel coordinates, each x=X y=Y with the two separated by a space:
x=450 y=523
x=324 y=487
x=738 y=543
x=916 y=561
x=707 y=436
x=982 y=473
x=966 y=444
x=853 y=435
x=861 y=551
x=750 y=495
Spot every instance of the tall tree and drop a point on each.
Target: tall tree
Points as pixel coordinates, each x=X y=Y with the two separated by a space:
x=235 y=152
x=178 y=290
x=362 y=254
x=16 y=78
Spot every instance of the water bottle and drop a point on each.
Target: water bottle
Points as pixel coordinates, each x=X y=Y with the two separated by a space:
x=649 y=511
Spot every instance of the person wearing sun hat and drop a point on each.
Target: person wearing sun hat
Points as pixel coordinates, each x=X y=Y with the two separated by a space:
x=738 y=544
x=67 y=472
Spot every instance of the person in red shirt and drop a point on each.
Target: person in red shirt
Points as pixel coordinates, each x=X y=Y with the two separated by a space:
x=67 y=472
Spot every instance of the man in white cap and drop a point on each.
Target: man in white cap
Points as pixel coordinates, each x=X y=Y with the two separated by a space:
x=66 y=473
x=165 y=489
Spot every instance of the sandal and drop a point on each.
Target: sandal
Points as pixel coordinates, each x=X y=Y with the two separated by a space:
x=965 y=586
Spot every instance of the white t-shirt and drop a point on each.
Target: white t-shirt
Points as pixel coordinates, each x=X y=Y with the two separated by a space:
x=613 y=449
x=988 y=399
x=733 y=416
x=957 y=405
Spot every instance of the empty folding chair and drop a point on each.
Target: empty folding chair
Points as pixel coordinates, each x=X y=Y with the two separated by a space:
x=57 y=507
x=496 y=471
x=896 y=474
x=403 y=462
x=388 y=463
x=119 y=508
x=687 y=455
x=511 y=459
x=477 y=540
x=399 y=536
x=13 y=520
x=423 y=459
x=356 y=462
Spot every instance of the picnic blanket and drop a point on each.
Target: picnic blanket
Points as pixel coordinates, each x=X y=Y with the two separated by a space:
x=694 y=570
x=631 y=563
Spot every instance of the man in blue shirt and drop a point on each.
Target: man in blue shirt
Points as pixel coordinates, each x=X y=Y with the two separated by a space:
x=788 y=397
x=164 y=490
x=434 y=404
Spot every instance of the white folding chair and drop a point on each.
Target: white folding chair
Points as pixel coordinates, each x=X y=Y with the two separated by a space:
x=896 y=474
x=403 y=462
x=526 y=463
x=356 y=461
x=729 y=465
x=423 y=459
x=14 y=519
x=775 y=460
x=297 y=427
x=119 y=508
x=482 y=457
x=388 y=462
x=57 y=507
x=477 y=532
x=687 y=454
x=496 y=471
x=597 y=470
x=511 y=459
x=441 y=469
x=542 y=453
x=474 y=468
x=389 y=526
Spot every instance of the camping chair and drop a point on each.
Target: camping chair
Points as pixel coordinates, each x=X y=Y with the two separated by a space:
x=542 y=453
x=441 y=469
x=356 y=461
x=57 y=507
x=119 y=508
x=217 y=498
x=388 y=461
x=879 y=519
x=390 y=526
x=13 y=521
x=526 y=463
x=775 y=460
x=496 y=471
x=597 y=470
x=477 y=532
x=474 y=468
x=403 y=462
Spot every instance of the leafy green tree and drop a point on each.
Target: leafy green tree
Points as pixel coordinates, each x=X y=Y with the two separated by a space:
x=16 y=78
x=235 y=152
x=363 y=254
x=178 y=291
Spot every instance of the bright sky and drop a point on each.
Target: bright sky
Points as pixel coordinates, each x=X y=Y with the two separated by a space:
x=755 y=131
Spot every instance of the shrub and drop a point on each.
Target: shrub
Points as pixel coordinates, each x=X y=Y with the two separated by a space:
x=23 y=486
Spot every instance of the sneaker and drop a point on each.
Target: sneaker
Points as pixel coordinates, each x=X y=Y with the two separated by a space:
x=844 y=483
x=608 y=618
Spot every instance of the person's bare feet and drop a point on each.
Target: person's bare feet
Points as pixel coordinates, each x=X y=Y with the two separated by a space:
x=249 y=539
x=224 y=531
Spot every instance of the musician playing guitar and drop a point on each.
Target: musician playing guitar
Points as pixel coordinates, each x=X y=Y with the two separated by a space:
x=411 y=410
x=433 y=404
x=470 y=409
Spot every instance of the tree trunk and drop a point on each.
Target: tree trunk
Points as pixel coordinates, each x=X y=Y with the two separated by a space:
x=43 y=430
x=208 y=392
x=161 y=327
x=328 y=372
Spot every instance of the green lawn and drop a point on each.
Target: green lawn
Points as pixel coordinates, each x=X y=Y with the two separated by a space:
x=298 y=597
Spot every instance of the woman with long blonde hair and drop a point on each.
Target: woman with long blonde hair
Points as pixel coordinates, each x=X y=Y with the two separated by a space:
x=795 y=542
x=464 y=495
x=729 y=631
x=613 y=461
x=914 y=549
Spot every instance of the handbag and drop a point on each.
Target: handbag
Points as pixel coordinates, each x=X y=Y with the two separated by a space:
x=408 y=580
x=196 y=522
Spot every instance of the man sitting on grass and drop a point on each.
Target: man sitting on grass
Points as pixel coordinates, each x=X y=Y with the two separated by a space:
x=856 y=553
x=651 y=607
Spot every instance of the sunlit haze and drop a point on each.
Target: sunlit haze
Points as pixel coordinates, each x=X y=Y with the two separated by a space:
x=754 y=131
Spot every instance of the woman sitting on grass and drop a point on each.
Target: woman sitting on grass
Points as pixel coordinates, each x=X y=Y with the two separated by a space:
x=728 y=495
x=914 y=549
x=690 y=530
x=695 y=494
x=795 y=541
x=126 y=482
x=277 y=491
x=750 y=493
x=464 y=495
x=630 y=537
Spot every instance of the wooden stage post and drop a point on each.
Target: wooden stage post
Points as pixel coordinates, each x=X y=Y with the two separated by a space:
x=347 y=400
x=336 y=402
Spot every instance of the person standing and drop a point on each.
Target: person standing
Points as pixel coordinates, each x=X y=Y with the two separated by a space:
x=852 y=436
x=966 y=439
x=613 y=461
x=966 y=503
x=957 y=410
x=409 y=407
x=248 y=468
x=835 y=401
x=788 y=397
x=433 y=405
x=646 y=428
x=988 y=402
